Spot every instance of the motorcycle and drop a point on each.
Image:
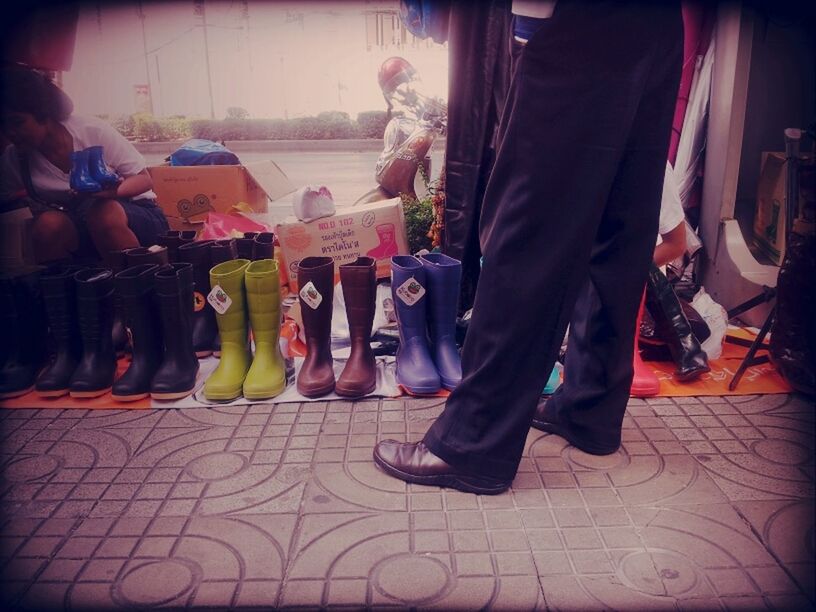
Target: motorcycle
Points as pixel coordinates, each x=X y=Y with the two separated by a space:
x=409 y=136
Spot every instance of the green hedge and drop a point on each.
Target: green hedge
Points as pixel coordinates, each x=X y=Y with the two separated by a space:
x=330 y=125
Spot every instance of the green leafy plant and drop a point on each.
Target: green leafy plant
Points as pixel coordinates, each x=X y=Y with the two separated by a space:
x=423 y=215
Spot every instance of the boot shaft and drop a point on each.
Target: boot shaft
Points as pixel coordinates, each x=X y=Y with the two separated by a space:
x=442 y=274
x=409 y=292
x=174 y=295
x=94 y=294
x=359 y=281
x=136 y=289
x=98 y=168
x=147 y=255
x=316 y=295
x=223 y=250
x=59 y=295
x=264 y=247
x=263 y=298
x=230 y=277
x=246 y=245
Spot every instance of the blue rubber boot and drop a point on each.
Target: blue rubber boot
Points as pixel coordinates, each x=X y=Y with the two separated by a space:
x=443 y=274
x=80 y=178
x=416 y=371
x=99 y=169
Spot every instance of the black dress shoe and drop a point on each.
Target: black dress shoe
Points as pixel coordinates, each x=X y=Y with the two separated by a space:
x=414 y=462
x=547 y=420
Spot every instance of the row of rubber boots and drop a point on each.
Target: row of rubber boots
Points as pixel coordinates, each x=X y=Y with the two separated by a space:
x=425 y=291
x=78 y=305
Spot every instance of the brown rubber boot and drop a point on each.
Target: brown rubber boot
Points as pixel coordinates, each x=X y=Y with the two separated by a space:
x=359 y=281
x=316 y=282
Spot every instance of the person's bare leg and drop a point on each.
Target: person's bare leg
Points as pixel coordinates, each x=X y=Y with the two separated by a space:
x=53 y=236
x=108 y=226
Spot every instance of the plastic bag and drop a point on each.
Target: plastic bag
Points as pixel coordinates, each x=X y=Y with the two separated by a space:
x=201 y=152
x=232 y=225
x=716 y=318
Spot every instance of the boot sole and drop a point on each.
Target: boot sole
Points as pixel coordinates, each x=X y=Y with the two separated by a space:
x=202 y=354
x=267 y=395
x=317 y=392
x=89 y=394
x=172 y=396
x=642 y=392
x=52 y=393
x=13 y=394
x=129 y=398
x=451 y=481
x=353 y=392
x=420 y=390
x=692 y=375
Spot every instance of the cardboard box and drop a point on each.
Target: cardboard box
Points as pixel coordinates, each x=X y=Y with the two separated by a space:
x=771 y=213
x=375 y=230
x=187 y=193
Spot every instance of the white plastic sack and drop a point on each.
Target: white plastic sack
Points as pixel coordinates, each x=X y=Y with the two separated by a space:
x=311 y=202
x=716 y=318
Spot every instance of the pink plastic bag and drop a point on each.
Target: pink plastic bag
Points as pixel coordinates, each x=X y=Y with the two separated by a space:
x=232 y=225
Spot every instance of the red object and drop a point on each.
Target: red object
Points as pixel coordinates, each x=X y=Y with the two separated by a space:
x=698 y=22
x=41 y=38
x=220 y=225
x=644 y=383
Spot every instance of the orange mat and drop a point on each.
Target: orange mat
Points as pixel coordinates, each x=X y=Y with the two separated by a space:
x=758 y=379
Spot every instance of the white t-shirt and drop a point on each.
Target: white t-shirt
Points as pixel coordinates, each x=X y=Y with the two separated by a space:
x=671 y=208
x=51 y=183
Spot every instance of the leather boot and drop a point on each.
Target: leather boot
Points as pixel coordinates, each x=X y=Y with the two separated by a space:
x=176 y=376
x=246 y=245
x=264 y=247
x=267 y=374
x=59 y=295
x=80 y=178
x=672 y=325
x=147 y=255
x=204 y=327
x=94 y=374
x=644 y=381
x=221 y=251
x=416 y=371
x=135 y=287
x=99 y=169
x=226 y=382
x=23 y=344
x=173 y=239
x=316 y=281
x=359 y=281
x=443 y=274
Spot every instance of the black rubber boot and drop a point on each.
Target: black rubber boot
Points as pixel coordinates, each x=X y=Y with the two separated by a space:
x=23 y=344
x=174 y=292
x=672 y=325
x=246 y=245
x=134 y=287
x=204 y=326
x=118 y=262
x=59 y=294
x=173 y=239
x=157 y=255
x=264 y=247
x=94 y=374
x=221 y=251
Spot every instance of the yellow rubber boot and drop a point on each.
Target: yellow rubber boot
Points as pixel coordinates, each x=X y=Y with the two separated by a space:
x=267 y=375
x=227 y=381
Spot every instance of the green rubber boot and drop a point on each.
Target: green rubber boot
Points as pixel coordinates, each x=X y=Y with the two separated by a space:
x=227 y=381
x=267 y=376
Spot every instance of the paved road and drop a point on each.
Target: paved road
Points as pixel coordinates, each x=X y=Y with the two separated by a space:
x=347 y=174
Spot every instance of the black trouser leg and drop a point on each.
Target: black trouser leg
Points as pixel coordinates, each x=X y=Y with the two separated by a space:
x=591 y=97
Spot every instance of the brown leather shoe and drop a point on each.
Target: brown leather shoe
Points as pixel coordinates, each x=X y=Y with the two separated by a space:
x=414 y=462
x=547 y=420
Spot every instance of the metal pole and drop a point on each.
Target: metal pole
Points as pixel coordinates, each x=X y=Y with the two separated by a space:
x=147 y=64
x=207 y=59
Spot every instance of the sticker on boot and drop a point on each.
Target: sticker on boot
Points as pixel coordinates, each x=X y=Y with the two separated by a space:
x=311 y=295
x=219 y=300
x=411 y=291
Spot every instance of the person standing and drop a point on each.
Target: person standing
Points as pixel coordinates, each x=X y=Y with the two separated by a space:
x=567 y=228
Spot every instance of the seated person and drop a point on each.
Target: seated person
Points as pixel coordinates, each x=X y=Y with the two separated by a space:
x=37 y=120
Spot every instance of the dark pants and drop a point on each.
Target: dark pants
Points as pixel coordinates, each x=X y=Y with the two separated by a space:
x=568 y=227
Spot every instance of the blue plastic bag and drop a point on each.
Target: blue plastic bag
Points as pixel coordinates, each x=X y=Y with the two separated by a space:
x=200 y=152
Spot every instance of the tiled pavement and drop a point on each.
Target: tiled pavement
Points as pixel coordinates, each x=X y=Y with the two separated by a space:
x=710 y=505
